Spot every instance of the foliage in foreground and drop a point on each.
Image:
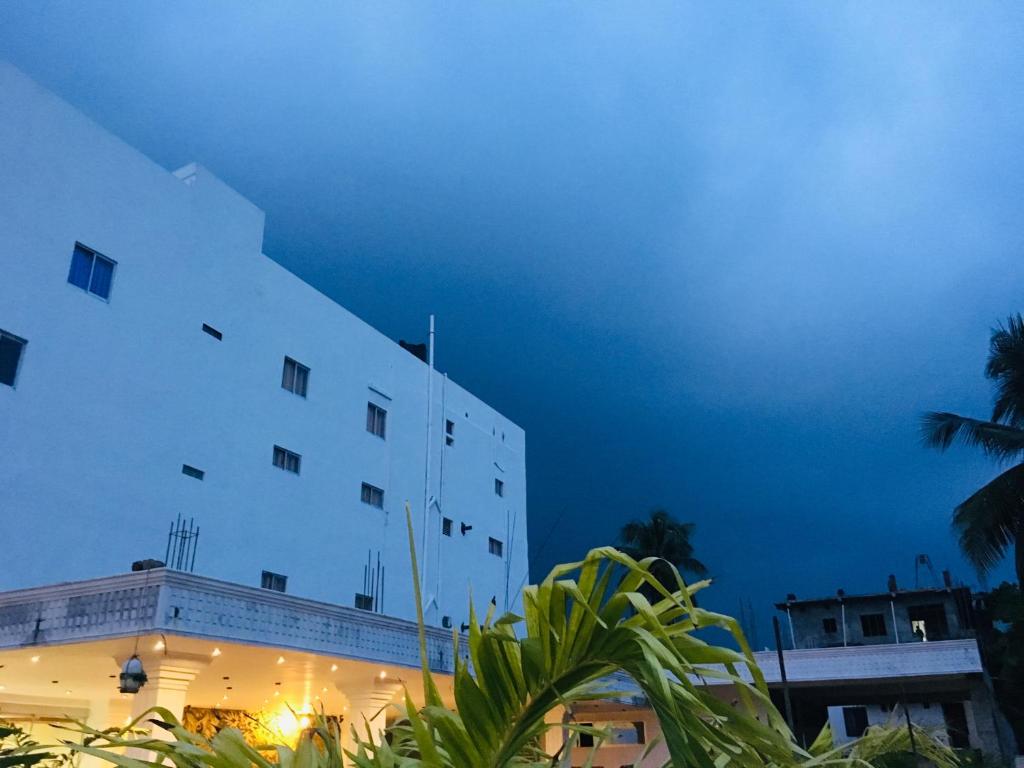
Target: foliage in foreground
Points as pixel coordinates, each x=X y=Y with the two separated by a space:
x=585 y=622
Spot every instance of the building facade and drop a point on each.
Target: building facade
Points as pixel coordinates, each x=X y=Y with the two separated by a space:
x=855 y=661
x=159 y=374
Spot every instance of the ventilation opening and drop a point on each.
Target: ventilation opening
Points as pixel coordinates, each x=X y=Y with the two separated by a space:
x=212 y=331
x=198 y=474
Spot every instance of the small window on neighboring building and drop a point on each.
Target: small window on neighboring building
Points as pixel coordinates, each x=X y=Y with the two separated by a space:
x=376 y=420
x=372 y=495
x=286 y=460
x=91 y=272
x=855 y=719
x=275 y=581
x=495 y=547
x=446 y=526
x=829 y=625
x=873 y=624
x=449 y=432
x=295 y=377
x=11 y=348
x=191 y=471
x=364 y=602
x=499 y=487
x=212 y=331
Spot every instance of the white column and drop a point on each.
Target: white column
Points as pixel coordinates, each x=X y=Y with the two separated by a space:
x=167 y=686
x=98 y=718
x=367 y=705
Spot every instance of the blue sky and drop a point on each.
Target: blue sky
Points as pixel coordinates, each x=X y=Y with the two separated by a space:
x=712 y=257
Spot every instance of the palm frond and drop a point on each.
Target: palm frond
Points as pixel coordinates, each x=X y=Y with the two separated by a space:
x=940 y=430
x=990 y=521
x=1006 y=367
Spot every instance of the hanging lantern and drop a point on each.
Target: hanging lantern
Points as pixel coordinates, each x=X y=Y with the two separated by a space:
x=133 y=676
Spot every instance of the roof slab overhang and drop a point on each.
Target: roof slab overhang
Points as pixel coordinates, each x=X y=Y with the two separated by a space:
x=61 y=645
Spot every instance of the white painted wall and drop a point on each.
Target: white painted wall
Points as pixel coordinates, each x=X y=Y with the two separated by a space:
x=927 y=716
x=113 y=397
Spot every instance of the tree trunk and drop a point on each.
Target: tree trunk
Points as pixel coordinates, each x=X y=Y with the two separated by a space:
x=1018 y=548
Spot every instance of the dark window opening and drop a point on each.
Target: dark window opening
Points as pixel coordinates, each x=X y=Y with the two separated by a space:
x=191 y=471
x=212 y=331
x=295 y=377
x=495 y=547
x=10 y=357
x=928 y=622
x=855 y=719
x=956 y=725
x=376 y=420
x=829 y=625
x=873 y=624
x=91 y=272
x=499 y=487
x=364 y=602
x=446 y=526
x=286 y=460
x=372 y=495
x=275 y=581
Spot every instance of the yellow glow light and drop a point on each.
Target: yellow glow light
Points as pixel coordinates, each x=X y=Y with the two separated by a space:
x=334 y=667
x=158 y=645
x=34 y=659
x=215 y=652
x=383 y=674
x=280 y=659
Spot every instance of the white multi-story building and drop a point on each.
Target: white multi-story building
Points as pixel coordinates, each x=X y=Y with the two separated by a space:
x=156 y=365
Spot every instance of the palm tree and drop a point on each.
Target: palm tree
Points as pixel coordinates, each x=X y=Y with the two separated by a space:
x=664 y=537
x=991 y=521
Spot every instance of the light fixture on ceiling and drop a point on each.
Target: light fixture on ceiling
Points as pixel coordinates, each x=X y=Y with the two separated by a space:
x=215 y=652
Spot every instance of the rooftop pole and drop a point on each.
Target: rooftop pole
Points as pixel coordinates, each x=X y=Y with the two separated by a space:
x=782 y=673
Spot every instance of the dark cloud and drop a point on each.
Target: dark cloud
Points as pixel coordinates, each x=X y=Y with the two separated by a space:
x=711 y=258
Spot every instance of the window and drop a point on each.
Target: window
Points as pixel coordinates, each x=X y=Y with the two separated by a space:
x=495 y=547
x=198 y=474
x=856 y=720
x=446 y=526
x=274 y=581
x=364 y=602
x=286 y=460
x=499 y=487
x=11 y=348
x=212 y=331
x=449 y=432
x=295 y=377
x=873 y=624
x=376 y=420
x=829 y=625
x=373 y=496
x=91 y=272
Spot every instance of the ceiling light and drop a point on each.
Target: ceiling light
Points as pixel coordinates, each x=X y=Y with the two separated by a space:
x=215 y=652
x=334 y=667
x=68 y=691
x=158 y=645
x=34 y=659
x=280 y=659
x=383 y=674
x=277 y=693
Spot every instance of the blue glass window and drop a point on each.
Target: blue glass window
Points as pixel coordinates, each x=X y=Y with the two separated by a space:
x=91 y=272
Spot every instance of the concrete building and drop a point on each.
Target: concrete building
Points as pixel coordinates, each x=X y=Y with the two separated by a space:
x=860 y=660
x=157 y=370
x=926 y=663
x=160 y=377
